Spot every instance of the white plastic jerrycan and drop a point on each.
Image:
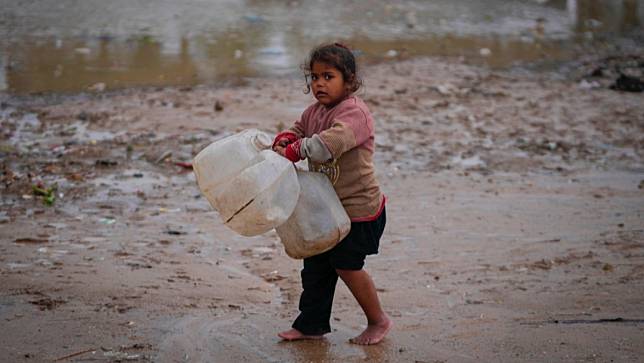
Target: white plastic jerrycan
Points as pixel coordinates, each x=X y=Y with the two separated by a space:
x=261 y=197
x=227 y=157
x=253 y=189
x=319 y=221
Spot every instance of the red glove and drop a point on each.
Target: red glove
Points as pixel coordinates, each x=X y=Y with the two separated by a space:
x=288 y=136
x=292 y=151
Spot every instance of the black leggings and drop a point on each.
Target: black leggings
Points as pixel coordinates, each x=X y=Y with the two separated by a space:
x=319 y=275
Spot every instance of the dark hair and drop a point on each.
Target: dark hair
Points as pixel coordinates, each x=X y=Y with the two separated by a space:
x=336 y=55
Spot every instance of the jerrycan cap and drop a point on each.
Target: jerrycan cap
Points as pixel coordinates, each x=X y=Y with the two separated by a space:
x=261 y=140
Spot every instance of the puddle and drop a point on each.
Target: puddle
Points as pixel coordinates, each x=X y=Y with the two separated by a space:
x=62 y=46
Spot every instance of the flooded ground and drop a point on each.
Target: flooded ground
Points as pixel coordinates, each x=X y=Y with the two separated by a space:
x=515 y=228
x=514 y=170
x=97 y=45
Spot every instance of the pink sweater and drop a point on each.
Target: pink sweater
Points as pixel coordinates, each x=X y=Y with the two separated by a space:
x=347 y=131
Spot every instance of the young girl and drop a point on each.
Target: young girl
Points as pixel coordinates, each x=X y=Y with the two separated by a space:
x=336 y=134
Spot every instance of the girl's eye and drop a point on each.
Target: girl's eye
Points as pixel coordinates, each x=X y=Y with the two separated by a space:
x=327 y=77
x=314 y=78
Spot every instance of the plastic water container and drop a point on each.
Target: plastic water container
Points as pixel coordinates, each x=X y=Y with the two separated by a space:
x=225 y=158
x=261 y=197
x=319 y=221
x=253 y=189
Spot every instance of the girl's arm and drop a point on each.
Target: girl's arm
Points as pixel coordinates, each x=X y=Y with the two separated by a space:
x=293 y=133
x=351 y=128
x=309 y=147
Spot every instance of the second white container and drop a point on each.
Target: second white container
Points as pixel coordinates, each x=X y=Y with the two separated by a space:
x=319 y=220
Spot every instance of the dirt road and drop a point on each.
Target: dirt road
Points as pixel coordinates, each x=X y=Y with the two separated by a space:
x=515 y=228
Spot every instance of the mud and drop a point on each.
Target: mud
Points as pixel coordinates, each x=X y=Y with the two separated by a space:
x=515 y=203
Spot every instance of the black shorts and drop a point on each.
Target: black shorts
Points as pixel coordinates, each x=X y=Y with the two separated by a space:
x=362 y=240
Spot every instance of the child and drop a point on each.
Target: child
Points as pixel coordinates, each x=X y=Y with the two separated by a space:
x=336 y=134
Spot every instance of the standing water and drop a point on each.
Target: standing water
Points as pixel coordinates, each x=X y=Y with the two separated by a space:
x=73 y=46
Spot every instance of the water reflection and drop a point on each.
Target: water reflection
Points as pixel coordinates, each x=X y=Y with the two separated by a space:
x=618 y=16
x=267 y=38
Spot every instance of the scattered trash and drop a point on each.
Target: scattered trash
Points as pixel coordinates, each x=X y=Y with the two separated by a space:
x=608 y=268
x=175 y=232
x=410 y=19
x=473 y=302
x=107 y=221
x=82 y=50
x=163 y=156
x=590 y=321
x=446 y=89
x=97 y=87
x=48 y=194
x=29 y=240
x=485 y=52
x=584 y=84
x=273 y=276
x=391 y=53
x=628 y=84
x=47 y=303
x=218 y=106
x=92 y=350
x=77 y=177
x=119 y=356
x=238 y=54
x=105 y=162
x=185 y=165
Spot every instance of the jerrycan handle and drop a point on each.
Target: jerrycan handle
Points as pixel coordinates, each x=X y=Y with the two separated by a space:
x=261 y=141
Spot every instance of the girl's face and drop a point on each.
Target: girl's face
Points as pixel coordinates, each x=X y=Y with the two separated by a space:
x=327 y=84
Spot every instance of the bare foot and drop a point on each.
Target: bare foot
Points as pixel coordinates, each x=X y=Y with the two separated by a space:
x=295 y=334
x=374 y=333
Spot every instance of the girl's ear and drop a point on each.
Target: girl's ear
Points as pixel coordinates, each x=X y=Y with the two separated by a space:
x=349 y=83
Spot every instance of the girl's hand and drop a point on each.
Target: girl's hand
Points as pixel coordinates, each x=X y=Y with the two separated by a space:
x=283 y=142
x=280 y=149
x=284 y=138
x=290 y=151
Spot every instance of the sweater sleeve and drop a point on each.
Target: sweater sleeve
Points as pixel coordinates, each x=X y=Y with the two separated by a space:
x=314 y=148
x=299 y=127
x=350 y=128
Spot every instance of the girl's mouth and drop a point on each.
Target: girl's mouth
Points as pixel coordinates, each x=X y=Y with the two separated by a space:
x=320 y=94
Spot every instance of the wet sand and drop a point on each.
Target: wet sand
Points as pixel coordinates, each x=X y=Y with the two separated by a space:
x=515 y=229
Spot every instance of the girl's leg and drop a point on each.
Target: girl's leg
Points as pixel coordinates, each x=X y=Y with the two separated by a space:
x=318 y=282
x=364 y=290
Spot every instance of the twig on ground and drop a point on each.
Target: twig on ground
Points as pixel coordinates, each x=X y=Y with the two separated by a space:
x=74 y=354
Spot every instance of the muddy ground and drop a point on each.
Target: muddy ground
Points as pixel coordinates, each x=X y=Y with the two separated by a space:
x=515 y=228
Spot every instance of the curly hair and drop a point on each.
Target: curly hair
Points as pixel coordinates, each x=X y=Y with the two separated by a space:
x=338 y=56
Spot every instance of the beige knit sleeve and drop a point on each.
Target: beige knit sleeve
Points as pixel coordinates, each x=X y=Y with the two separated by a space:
x=339 y=138
x=314 y=148
x=350 y=128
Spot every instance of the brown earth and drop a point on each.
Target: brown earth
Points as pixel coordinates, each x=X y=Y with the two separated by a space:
x=515 y=228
